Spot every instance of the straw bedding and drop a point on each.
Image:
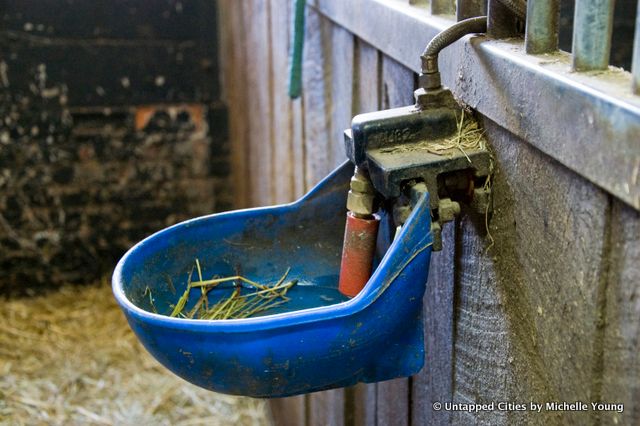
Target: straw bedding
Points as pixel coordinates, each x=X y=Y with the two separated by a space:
x=70 y=358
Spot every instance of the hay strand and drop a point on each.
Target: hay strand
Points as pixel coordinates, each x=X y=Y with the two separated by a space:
x=236 y=305
x=468 y=137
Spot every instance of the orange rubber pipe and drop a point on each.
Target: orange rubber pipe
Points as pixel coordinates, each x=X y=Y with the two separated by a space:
x=357 y=253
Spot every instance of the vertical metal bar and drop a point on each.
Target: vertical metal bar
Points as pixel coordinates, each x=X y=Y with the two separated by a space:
x=501 y=22
x=443 y=7
x=592 y=26
x=470 y=9
x=543 y=18
x=635 y=63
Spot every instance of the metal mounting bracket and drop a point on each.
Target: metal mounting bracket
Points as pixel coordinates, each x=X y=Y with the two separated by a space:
x=417 y=144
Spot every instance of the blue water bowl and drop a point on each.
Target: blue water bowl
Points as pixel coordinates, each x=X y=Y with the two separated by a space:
x=319 y=339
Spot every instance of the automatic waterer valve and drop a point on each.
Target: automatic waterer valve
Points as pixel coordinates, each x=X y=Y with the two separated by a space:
x=432 y=145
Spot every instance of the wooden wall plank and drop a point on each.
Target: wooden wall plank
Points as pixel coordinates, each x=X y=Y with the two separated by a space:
x=364 y=396
x=434 y=382
x=394 y=396
x=235 y=90
x=258 y=103
x=316 y=95
x=326 y=408
x=621 y=357
x=398 y=84
x=366 y=85
x=526 y=311
x=282 y=142
x=342 y=59
x=288 y=411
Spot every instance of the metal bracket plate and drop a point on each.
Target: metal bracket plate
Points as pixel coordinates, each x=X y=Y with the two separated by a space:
x=405 y=145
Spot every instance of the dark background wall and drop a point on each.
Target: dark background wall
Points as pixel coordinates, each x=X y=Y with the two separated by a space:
x=82 y=177
x=114 y=52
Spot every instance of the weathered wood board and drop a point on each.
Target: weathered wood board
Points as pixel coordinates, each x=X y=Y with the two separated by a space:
x=282 y=136
x=341 y=102
x=234 y=92
x=525 y=311
x=316 y=96
x=289 y=411
x=258 y=104
x=621 y=322
x=434 y=383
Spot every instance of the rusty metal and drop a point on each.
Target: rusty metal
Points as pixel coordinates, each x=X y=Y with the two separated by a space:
x=588 y=122
x=543 y=19
x=358 y=250
x=592 y=26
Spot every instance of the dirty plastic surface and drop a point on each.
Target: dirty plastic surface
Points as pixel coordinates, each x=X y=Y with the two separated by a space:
x=375 y=336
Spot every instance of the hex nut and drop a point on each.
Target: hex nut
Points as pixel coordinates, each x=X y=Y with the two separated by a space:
x=360 y=203
x=429 y=80
x=361 y=184
x=440 y=97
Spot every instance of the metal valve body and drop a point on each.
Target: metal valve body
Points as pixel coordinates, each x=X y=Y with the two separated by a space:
x=395 y=147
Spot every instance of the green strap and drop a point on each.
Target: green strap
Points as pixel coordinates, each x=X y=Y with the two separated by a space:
x=295 y=55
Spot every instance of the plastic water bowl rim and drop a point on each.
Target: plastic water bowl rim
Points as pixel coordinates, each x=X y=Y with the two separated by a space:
x=367 y=296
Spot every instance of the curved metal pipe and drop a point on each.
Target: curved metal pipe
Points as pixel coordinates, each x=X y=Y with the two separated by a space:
x=456 y=31
x=430 y=77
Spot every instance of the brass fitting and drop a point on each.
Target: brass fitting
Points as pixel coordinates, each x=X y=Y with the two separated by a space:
x=361 y=195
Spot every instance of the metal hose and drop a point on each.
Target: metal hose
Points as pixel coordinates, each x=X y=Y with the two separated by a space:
x=430 y=77
x=453 y=33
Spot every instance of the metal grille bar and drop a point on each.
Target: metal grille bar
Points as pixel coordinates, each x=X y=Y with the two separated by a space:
x=592 y=26
x=543 y=18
